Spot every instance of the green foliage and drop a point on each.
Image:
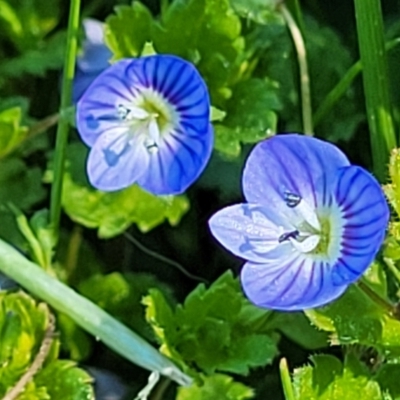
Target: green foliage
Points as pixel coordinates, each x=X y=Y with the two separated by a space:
x=22 y=326
x=19 y=184
x=215 y=328
x=328 y=379
x=249 y=116
x=128 y=30
x=298 y=329
x=218 y=386
x=260 y=11
x=27 y=21
x=355 y=318
x=113 y=212
x=11 y=131
x=392 y=189
x=120 y=295
x=47 y=55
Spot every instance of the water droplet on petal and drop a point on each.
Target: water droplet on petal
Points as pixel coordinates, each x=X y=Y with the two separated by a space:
x=291 y=199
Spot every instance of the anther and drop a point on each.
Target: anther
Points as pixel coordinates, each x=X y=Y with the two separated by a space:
x=151 y=146
x=288 y=235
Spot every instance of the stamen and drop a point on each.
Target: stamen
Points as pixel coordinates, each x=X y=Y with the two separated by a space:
x=307 y=245
x=291 y=199
x=288 y=235
x=308 y=214
x=131 y=112
x=151 y=146
x=154 y=130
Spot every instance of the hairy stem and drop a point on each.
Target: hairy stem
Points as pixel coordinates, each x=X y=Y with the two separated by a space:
x=63 y=125
x=303 y=69
x=385 y=304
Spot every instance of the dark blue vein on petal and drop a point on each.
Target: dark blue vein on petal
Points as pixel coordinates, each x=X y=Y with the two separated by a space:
x=347 y=266
x=287 y=173
x=347 y=213
x=194 y=155
x=290 y=284
x=176 y=159
x=348 y=245
x=357 y=237
x=364 y=223
x=187 y=91
x=173 y=75
x=323 y=177
x=307 y=169
x=155 y=73
x=182 y=82
x=163 y=78
x=303 y=295
x=346 y=252
x=192 y=105
x=144 y=73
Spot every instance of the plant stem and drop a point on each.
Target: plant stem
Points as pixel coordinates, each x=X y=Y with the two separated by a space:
x=375 y=297
x=86 y=314
x=37 y=362
x=63 y=126
x=303 y=70
x=391 y=265
x=74 y=246
x=375 y=79
x=286 y=381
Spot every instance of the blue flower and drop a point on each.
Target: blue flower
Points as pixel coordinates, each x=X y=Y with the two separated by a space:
x=311 y=226
x=147 y=122
x=94 y=57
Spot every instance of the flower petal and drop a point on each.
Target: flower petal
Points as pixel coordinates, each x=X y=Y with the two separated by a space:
x=97 y=108
x=95 y=54
x=180 y=159
x=246 y=231
x=115 y=162
x=291 y=165
x=293 y=283
x=366 y=215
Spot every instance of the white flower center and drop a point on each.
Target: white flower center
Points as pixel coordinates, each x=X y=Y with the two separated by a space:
x=317 y=231
x=148 y=115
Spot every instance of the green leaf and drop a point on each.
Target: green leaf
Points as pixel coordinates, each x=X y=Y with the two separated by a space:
x=63 y=380
x=328 y=379
x=11 y=131
x=250 y=116
x=22 y=323
x=388 y=379
x=260 y=11
x=74 y=339
x=215 y=328
x=298 y=329
x=218 y=386
x=354 y=318
x=113 y=212
x=37 y=61
x=178 y=30
x=127 y=32
x=120 y=295
x=27 y=21
x=19 y=184
x=392 y=189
